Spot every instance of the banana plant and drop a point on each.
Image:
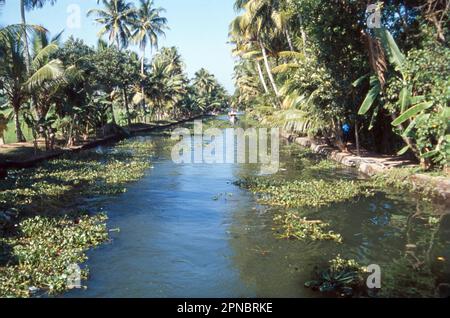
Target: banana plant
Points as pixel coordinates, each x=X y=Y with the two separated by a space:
x=412 y=108
x=42 y=126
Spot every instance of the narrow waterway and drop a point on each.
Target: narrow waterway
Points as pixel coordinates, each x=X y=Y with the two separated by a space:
x=187 y=231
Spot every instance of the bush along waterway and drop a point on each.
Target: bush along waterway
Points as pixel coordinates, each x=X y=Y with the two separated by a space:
x=162 y=229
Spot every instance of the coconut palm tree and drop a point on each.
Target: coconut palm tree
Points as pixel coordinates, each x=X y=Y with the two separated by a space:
x=167 y=82
x=19 y=81
x=246 y=82
x=172 y=58
x=47 y=74
x=117 y=18
x=13 y=75
x=261 y=19
x=28 y=5
x=244 y=49
x=255 y=29
x=204 y=81
x=149 y=26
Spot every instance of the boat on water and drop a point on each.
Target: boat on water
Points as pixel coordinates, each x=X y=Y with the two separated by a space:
x=233 y=116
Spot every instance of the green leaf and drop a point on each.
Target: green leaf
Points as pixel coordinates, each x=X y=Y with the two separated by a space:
x=360 y=80
x=411 y=113
x=374 y=118
x=409 y=128
x=430 y=154
x=370 y=99
x=403 y=151
x=416 y=99
x=405 y=98
x=395 y=55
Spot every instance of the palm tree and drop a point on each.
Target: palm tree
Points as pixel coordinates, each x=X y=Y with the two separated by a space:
x=204 y=81
x=260 y=24
x=149 y=26
x=13 y=71
x=167 y=82
x=19 y=81
x=28 y=5
x=245 y=50
x=172 y=58
x=246 y=82
x=47 y=75
x=117 y=18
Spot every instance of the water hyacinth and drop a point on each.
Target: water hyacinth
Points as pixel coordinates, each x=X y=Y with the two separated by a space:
x=292 y=226
x=51 y=235
x=343 y=277
x=58 y=183
x=41 y=255
x=305 y=193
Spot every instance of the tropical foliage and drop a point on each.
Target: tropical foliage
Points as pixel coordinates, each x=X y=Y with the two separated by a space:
x=68 y=91
x=314 y=65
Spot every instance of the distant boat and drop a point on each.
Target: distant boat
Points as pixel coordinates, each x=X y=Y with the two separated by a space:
x=233 y=116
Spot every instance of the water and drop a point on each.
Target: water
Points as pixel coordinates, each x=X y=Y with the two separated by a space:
x=188 y=231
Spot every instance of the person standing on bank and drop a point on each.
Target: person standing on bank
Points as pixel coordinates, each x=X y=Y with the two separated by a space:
x=346 y=129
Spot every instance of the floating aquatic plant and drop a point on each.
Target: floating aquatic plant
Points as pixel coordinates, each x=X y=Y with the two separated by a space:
x=44 y=251
x=292 y=226
x=304 y=193
x=342 y=277
x=49 y=237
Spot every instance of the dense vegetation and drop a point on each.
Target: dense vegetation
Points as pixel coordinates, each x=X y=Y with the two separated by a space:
x=313 y=65
x=69 y=91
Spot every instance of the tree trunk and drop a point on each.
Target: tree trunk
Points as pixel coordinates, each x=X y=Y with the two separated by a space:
x=302 y=31
x=19 y=134
x=24 y=35
x=289 y=40
x=113 y=117
x=261 y=77
x=269 y=71
x=127 y=108
x=358 y=149
x=142 y=84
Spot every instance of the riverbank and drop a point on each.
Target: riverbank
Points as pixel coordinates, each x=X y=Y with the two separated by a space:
x=372 y=165
x=23 y=155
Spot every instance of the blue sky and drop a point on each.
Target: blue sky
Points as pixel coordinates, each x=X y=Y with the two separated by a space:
x=199 y=28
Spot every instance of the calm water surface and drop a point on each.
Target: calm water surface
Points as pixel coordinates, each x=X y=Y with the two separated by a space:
x=188 y=231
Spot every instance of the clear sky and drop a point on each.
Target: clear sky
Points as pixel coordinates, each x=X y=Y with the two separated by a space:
x=199 y=28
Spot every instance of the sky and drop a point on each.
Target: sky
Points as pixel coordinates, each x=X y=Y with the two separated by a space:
x=198 y=28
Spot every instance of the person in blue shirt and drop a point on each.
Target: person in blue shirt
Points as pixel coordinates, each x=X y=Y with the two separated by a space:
x=346 y=134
